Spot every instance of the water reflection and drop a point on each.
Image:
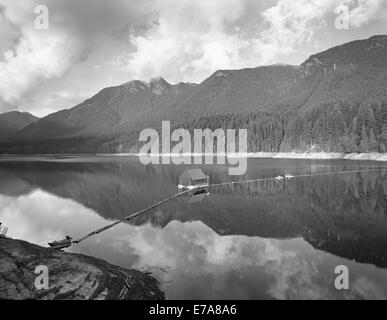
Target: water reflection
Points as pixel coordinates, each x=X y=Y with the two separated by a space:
x=256 y=240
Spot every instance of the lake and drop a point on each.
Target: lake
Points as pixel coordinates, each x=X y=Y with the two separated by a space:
x=257 y=240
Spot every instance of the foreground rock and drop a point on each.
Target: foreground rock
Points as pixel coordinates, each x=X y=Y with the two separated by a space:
x=71 y=276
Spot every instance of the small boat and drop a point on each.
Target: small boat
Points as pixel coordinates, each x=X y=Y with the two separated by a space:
x=61 y=244
x=279 y=178
x=289 y=176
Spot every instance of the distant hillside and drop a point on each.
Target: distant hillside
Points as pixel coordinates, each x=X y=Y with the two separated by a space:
x=12 y=122
x=130 y=106
x=336 y=100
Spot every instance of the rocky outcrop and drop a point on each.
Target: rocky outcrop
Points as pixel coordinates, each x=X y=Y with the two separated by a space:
x=70 y=276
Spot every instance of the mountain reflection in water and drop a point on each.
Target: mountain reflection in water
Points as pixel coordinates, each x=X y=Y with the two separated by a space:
x=267 y=239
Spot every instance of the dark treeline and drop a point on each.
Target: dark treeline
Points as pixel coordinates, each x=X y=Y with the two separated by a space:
x=331 y=127
x=340 y=127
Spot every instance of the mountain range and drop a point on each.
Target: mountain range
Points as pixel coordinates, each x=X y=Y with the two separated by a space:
x=336 y=99
x=12 y=122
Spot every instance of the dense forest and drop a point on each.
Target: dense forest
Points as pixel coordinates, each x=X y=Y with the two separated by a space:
x=332 y=127
x=338 y=127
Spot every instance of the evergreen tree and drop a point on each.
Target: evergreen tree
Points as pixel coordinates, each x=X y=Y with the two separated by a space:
x=383 y=134
x=383 y=139
x=373 y=143
x=364 y=144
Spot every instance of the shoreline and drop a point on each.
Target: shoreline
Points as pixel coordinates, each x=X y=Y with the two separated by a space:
x=380 y=157
x=322 y=156
x=374 y=156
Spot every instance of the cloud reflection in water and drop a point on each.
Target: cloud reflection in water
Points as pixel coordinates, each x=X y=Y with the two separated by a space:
x=196 y=261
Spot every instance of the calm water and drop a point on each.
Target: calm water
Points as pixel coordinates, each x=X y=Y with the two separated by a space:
x=269 y=240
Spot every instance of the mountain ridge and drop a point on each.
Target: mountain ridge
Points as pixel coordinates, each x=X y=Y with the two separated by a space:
x=13 y=121
x=344 y=80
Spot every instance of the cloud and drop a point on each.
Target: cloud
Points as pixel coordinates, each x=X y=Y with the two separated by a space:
x=366 y=11
x=197 y=38
x=181 y=40
x=37 y=54
x=35 y=58
x=293 y=22
x=30 y=217
x=197 y=262
x=188 y=40
x=76 y=29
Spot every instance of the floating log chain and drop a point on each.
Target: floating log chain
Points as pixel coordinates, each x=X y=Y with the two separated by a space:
x=140 y=212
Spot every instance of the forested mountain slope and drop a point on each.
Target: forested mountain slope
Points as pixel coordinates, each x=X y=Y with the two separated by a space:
x=335 y=101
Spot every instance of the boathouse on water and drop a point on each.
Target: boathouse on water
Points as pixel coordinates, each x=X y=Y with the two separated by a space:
x=193 y=178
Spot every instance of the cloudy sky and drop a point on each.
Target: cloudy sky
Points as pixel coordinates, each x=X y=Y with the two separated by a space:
x=92 y=44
